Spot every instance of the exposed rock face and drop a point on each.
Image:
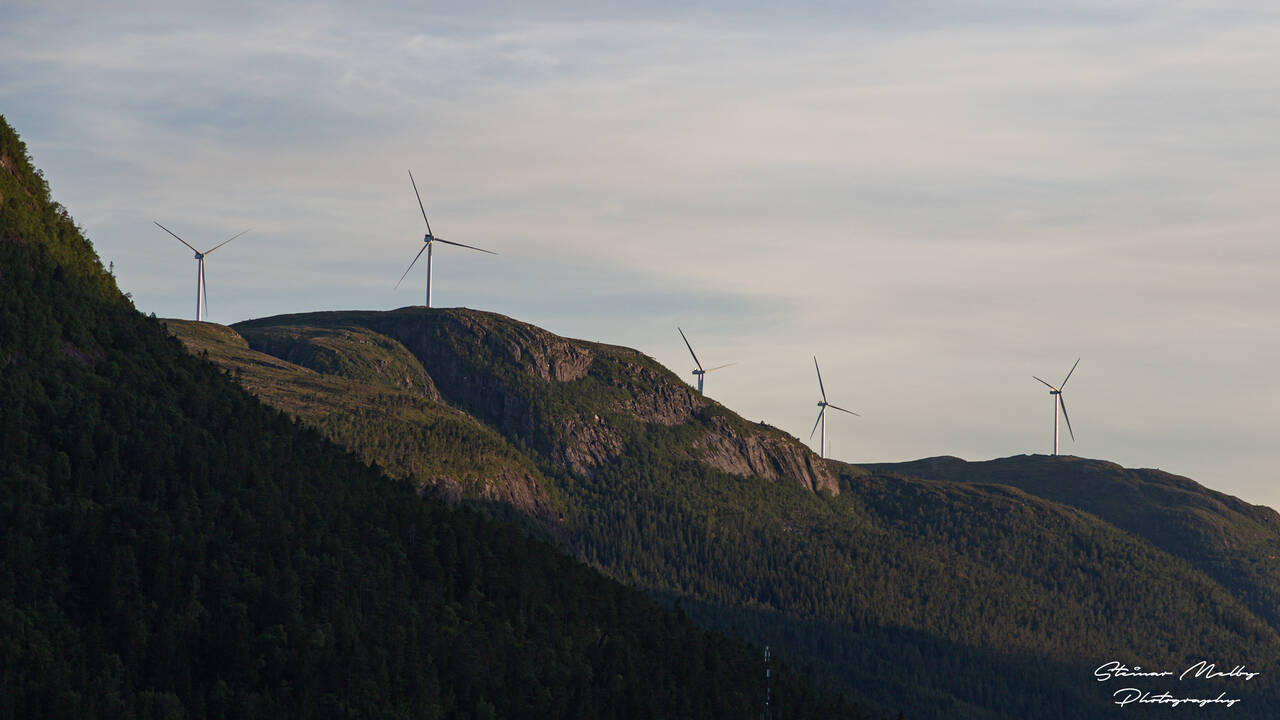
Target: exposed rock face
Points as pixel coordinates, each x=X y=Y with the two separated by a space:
x=508 y=487
x=654 y=397
x=437 y=340
x=587 y=442
x=767 y=455
x=579 y=404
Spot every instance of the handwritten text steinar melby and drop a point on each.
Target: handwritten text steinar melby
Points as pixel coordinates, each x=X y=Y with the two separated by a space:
x=1202 y=670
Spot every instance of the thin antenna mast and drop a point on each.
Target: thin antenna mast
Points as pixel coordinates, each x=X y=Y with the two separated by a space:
x=768 y=685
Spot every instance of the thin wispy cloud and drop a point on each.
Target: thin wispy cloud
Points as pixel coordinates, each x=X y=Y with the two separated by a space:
x=937 y=199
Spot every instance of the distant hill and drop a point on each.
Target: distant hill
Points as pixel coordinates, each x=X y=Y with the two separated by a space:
x=948 y=599
x=1231 y=541
x=170 y=547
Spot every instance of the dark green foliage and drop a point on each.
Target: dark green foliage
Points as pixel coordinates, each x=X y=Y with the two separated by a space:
x=171 y=548
x=1228 y=539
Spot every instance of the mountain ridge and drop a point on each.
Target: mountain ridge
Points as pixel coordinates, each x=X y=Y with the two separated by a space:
x=882 y=561
x=442 y=346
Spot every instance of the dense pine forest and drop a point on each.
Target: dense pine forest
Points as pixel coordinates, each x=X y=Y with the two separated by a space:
x=172 y=548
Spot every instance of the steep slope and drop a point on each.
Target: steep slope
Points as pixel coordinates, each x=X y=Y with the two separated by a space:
x=368 y=393
x=170 y=547
x=969 y=600
x=1235 y=543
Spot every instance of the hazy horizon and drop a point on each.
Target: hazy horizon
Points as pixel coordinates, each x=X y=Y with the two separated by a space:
x=937 y=201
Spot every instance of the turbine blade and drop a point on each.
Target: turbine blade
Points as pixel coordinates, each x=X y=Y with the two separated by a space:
x=415 y=260
x=1073 y=369
x=1045 y=383
x=815 y=422
x=472 y=247
x=721 y=366
x=691 y=352
x=1063 y=403
x=184 y=242
x=836 y=407
x=420 y=207
x=224 y=242
x=822 y=389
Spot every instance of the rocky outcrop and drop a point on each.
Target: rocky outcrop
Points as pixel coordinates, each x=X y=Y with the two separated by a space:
x=768 y=454
x=584 y=443
x=508 y=487
x=439 y=339
x=652 y=396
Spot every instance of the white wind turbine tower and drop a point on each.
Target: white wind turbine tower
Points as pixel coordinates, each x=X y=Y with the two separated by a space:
x=202 y=305
x=699 y=372
x=822 y=413
x=1057 y=391
x=430 y=240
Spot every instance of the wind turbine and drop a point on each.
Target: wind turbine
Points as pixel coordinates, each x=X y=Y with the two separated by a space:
x=699 y=372
x=822 y=414
x=202 y=304
x=1059 y=401
x=429 y=240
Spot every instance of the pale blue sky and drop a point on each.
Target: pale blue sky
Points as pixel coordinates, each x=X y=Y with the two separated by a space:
x=939 y=199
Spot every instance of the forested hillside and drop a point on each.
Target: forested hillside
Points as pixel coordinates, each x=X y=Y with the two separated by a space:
x=1232 y=541
x=172 y=548
x=948 y=599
